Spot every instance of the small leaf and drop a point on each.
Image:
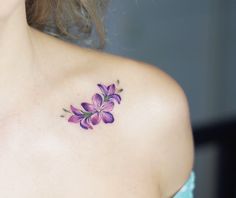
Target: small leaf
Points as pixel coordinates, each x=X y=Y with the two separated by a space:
x=66 y=110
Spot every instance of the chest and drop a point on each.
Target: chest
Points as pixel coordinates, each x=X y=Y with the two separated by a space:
x=44 y=161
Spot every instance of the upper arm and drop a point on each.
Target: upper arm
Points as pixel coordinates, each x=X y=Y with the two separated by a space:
x=168 y=127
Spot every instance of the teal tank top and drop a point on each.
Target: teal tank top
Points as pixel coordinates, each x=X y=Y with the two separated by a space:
x=187 y=189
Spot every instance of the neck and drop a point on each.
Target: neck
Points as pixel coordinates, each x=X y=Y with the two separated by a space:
x=17 y=59
x=15 y=42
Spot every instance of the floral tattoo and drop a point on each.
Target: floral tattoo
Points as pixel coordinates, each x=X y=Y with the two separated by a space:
x=100 y=109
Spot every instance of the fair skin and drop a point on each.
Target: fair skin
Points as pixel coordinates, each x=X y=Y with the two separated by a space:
x=147 y=152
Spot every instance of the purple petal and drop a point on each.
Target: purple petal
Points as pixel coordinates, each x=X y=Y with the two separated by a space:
x=97 y=100
x=116 y=97
x=95 y=118
x=76 y=111
x=88 y=107
x=111 y=89
x=84 y=123
x=74 y=119
x=107 y=117
x=103 y=88
x=108 y=106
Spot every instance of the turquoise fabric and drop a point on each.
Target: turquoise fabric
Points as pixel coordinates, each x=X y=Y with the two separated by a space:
x=187 y=189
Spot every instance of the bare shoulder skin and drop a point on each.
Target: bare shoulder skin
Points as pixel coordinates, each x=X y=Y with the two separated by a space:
x=146 y=152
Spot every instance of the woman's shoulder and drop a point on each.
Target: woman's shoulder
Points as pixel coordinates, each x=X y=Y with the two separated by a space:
x=154 y=113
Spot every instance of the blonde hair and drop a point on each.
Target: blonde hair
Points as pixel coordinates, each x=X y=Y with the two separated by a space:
x=61 y=16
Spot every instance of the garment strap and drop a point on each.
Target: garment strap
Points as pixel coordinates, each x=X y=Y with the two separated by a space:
x=187 y=189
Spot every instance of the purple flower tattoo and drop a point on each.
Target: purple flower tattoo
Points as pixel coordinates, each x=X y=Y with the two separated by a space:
x=100 y=108
x=109 y=93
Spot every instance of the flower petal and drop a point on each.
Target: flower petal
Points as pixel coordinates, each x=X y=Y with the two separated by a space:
x=116 y=97
x=111 y=89
x=76 y=111
x=95 y=118
x=97 y=100
x=108 y=106
x=103 y=88
x=107 y=117
x=88 y=107
x=74 y=119
x=84 y=123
